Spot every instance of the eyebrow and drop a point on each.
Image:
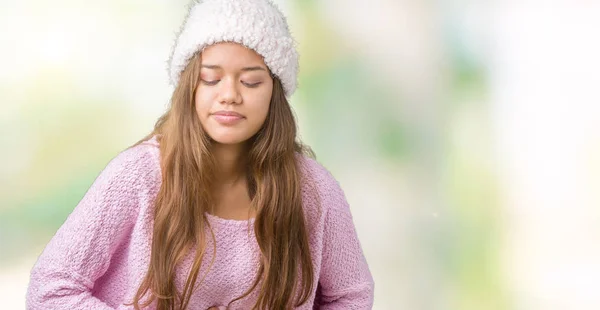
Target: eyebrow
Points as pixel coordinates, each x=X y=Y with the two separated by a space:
x=215 y=67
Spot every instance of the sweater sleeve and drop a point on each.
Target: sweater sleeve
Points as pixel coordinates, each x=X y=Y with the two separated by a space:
x=345 y=281
x=80 y=251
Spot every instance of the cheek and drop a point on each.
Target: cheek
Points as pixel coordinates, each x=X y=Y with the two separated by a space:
x=202 y=103
x=262 y=107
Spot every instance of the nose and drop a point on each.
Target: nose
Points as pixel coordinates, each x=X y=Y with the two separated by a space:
x=229 y=92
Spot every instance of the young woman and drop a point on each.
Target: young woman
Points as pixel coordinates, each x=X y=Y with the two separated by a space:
x=220 y=207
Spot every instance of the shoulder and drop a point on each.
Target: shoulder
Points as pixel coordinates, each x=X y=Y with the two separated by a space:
x=311 y=169
x=130 y=178
x=136 y=165
x=321 y=183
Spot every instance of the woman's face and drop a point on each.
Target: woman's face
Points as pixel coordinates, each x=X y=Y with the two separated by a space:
x=234 y=93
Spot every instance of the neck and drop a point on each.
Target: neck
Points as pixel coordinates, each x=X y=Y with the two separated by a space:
x=231 y=164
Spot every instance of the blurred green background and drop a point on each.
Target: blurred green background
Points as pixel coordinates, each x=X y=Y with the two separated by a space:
x=464 y=133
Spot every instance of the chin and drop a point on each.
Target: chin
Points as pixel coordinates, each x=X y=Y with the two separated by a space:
x=228 y=139
x=231 y=136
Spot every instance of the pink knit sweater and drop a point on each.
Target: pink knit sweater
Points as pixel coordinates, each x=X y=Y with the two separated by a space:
x=101 y=253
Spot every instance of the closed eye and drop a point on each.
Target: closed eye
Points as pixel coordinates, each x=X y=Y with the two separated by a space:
x=251 y=85
x=210 y=83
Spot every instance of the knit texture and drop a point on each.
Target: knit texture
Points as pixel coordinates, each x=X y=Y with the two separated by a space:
x=256 y=24
x=99 y=256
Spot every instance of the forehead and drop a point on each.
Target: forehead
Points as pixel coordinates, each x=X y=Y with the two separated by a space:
x=232 y=55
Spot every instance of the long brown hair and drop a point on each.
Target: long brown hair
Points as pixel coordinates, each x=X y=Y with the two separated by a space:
x=273 y=177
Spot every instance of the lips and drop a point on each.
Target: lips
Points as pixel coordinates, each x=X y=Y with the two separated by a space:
x=227 y=117
x=228 y=113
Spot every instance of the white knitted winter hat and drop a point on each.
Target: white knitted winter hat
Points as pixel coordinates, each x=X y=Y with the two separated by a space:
x=256 y=24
